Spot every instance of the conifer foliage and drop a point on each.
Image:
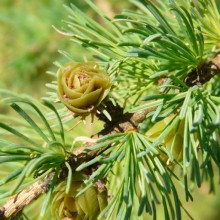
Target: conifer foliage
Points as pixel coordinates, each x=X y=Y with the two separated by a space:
x=154 y=83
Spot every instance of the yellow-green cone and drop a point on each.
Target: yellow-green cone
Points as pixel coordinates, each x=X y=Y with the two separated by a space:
x=173 y=141
x=86 y=206
x=82 y=86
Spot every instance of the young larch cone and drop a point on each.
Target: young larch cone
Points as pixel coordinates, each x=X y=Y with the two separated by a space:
x=87 y=206
x=173 y=141
x=82 y=86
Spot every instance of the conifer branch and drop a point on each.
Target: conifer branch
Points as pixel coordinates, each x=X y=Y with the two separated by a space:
x=161 y=54
x=122 y=123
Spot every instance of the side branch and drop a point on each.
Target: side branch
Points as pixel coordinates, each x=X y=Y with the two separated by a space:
x=122 y=123
x=15 y=204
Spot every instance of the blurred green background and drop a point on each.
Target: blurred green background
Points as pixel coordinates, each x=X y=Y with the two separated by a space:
x=29 y=44
x=28 y=47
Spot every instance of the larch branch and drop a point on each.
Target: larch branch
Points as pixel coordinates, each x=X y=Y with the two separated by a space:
x=15 y=204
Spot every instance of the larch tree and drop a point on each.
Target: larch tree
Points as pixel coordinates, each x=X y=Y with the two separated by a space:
x=151 y=90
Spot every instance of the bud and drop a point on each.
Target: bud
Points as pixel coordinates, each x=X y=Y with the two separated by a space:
x=87 y=206
x=82 y=86
x=174 y=138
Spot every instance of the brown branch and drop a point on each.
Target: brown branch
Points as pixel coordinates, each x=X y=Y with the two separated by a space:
x=204 y=72
x=122 y=123
x=15 y=204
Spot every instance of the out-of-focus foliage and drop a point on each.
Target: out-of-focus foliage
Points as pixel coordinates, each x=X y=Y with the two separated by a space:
x=29 y=44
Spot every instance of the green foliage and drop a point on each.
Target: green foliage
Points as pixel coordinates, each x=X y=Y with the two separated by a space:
x=40 y=155
x=180 y=49
x=155 y=57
